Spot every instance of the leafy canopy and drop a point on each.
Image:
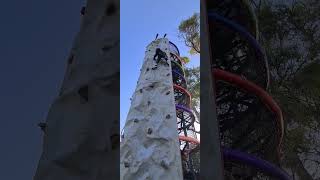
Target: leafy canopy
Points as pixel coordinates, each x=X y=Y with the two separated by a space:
x=189 y=30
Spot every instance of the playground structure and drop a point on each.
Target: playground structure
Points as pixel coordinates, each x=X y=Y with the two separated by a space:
x=250 y=121
x=189 y=144
x=251 y=124
x=159 y=114
x=167 y=117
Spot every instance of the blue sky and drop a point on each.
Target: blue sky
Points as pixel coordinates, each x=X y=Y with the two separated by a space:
x=140 y=21
x=36 y=38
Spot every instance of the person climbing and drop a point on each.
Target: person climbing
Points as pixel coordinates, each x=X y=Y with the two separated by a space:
x=159 y=56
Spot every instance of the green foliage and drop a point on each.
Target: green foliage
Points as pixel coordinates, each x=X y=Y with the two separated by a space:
x=266 y=17
x=296 y=139
x=193 y=80
x=185 y=59
x=292 y=43
x=189 y=31
x=309 y=77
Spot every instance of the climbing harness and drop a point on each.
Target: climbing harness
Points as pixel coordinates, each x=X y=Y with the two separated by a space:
x=158 y=56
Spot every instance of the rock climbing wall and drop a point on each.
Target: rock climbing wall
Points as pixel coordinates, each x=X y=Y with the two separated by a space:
x=150 y=146
x=81 y=139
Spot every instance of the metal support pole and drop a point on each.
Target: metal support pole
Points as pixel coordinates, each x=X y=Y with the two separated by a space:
x=211 y=156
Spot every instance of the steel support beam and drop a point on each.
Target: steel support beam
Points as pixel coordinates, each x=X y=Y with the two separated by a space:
x=211 y=157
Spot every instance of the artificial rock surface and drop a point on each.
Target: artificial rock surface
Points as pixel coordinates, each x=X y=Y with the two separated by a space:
x=83 y=122
x=150 y=147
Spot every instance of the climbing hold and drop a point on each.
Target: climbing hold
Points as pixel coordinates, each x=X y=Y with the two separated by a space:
x=70 y=59
x=168 y=116
x=149 y=131
x=42 y=126
x=83 y=92
x=136 y=120
x=168 y=74
x=149 y=102
x=151 y=86
x=147 y=69
x=111 y=9
x=164 y=164
x=126 y=164
x=106 y=47
x=83 y=10
x=114 y=141
x=140 y=90
x=168 y=93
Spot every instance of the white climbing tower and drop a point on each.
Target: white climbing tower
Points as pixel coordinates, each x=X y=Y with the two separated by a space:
x=149 y=147
x=81 y=136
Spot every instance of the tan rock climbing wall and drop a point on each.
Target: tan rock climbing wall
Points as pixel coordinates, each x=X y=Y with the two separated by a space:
x=150 y=147
x=80 y=140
